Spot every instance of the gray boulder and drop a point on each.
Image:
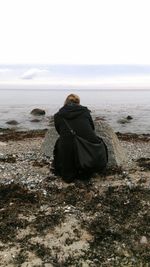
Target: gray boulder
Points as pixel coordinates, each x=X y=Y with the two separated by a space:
x=116 y=154
x=38 y=112
x=49 y=142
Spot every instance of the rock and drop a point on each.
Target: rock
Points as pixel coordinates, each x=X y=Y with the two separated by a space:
x=49 y=142
x=125 y=120
x=35 y=120
x=129 y=117
x=38 y=112
x=116 y=154
x=12 y=122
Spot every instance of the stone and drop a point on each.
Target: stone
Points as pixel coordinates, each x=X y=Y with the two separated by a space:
x=38 y=112
x=125 y=120
x=12 y=122
x=3 y=143
x=49 y=142
x=35 y=120
x=129 y=117
x=116 y=154
x=143 y=240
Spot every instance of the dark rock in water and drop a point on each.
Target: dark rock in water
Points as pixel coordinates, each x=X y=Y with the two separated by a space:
x=35 y=120
x=38 y=112
x=123 y=121
x=129 y=117
x=12 y=122
x=116 y=155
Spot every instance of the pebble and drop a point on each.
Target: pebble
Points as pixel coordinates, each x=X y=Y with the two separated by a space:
x=143 y=240
x=3 y=144
x=26 y=152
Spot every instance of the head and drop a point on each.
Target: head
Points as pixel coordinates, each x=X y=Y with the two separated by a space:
x=72 y=99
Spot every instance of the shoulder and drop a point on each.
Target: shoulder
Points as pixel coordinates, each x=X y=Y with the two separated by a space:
x=86 y=112
x=85 y=109
x=56 y=116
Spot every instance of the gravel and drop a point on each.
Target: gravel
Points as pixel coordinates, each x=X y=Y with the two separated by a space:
x=47 y=222
x=23 y=161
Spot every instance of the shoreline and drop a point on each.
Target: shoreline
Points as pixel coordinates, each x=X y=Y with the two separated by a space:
x=14 y=135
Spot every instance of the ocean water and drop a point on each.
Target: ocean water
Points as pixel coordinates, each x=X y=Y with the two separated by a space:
x=111 y=105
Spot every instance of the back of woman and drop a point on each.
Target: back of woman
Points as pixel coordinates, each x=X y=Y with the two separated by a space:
x=79 y=119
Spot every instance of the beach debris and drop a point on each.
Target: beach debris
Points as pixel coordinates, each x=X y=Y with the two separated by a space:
x=130 y=184
x=11 y=134
x=38 y=112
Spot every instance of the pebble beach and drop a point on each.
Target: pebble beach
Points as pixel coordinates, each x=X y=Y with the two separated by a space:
x=47 y=222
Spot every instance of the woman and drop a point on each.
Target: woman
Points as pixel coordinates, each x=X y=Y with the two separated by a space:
x=78 y=118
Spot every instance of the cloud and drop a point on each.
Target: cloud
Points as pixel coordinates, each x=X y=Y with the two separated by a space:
x=35 y=73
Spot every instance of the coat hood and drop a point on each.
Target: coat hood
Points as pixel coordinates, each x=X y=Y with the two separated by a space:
x=71 y=111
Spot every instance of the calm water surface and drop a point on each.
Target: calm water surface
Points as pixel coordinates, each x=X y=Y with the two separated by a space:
x=112 y=105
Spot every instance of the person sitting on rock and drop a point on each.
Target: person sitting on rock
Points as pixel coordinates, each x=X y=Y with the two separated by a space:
x=78 y=118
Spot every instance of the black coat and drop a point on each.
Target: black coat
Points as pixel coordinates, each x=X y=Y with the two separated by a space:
x=80 y=120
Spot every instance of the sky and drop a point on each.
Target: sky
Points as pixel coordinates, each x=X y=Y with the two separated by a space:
x=74 y=32
x=45 y=76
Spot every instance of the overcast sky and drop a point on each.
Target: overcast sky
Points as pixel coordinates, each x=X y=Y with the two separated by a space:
x=47 y=76
x=75 y=31
x=43 y=33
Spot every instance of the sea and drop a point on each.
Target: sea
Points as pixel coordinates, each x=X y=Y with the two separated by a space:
x=110 y=105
